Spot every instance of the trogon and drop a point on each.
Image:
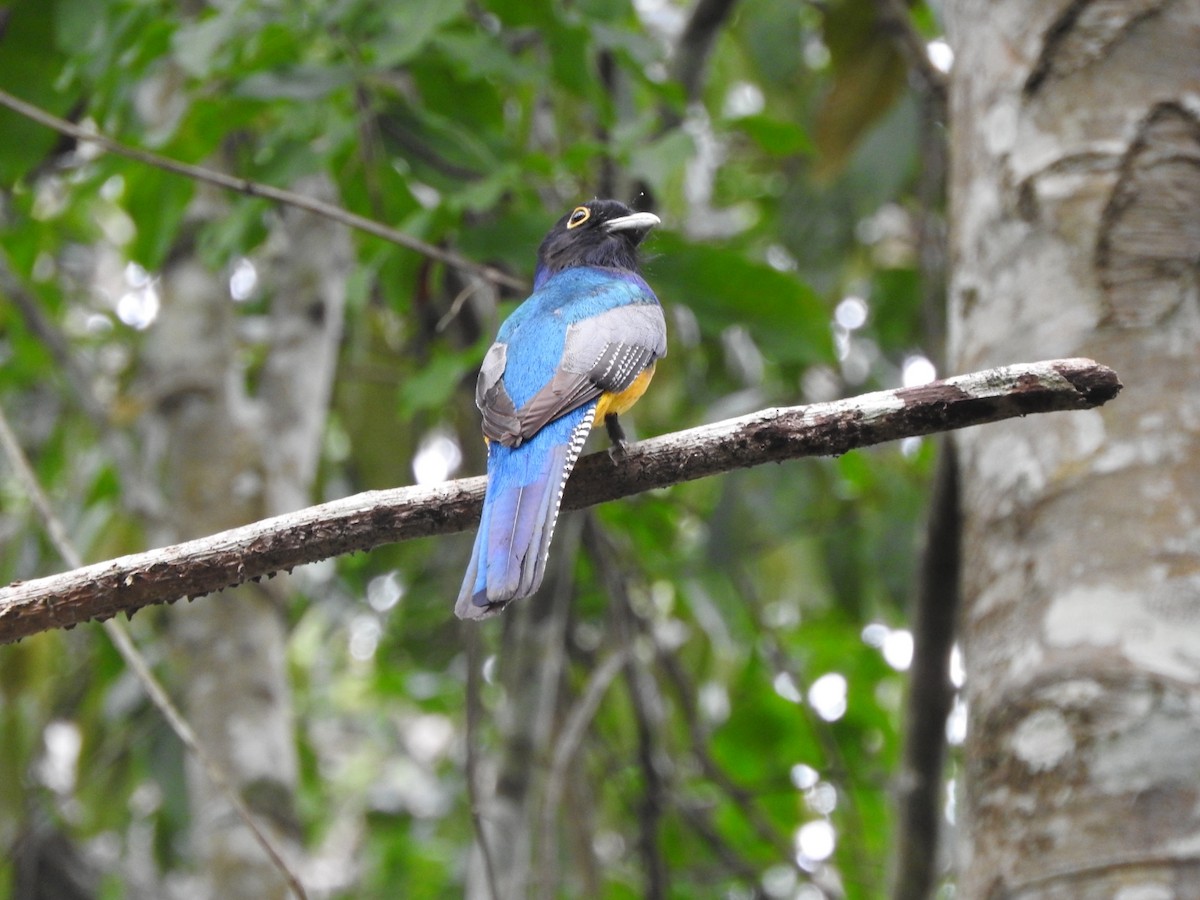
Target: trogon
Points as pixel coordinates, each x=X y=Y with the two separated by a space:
x=579 y=351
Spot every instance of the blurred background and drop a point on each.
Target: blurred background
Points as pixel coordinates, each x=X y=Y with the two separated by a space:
x=705 y=699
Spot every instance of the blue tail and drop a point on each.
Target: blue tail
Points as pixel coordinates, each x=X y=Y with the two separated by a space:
x=524 y=489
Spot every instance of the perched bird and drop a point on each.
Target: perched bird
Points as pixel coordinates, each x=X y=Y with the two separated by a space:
x=579 y=351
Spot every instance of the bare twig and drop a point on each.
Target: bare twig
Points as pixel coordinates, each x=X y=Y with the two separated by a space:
x=136 y=492
x=137 y=663
x=56 y=345
x=647 y=706
x=456 y=305
x=738 y=796
x=257 y=189
x=41 y=503
x=930 y=692
x=531 y=675
x=474 y=707
x=831 y=750
x=368 y=520
x=893 y=16
x=567 y=743
x=647 y=702
x=700 y=820
x=686 y=695
x=696 y=41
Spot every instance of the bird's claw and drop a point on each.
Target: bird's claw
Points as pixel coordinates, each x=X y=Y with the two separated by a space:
x=619 y=449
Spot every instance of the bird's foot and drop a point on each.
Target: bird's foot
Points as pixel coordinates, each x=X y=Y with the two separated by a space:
x=620 y=447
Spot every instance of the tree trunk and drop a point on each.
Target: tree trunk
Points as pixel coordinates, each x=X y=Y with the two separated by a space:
x=1075 y=187
x=231 y=458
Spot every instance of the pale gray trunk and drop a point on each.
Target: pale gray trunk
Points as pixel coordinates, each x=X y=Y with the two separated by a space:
x=230 y=458
x=1076 y=232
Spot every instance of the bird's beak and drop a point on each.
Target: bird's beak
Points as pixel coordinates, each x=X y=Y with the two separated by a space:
x=641 y=221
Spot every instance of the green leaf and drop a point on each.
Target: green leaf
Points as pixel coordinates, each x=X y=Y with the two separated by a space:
x=660 y=162
x=199 y=45
x=435 y=384
x=298 y=83
x=868 y=78
x=775 y=136
x=232 y=235
x=156 y=201
x=477 y=55
x=413 y=25
x=723 y=287
x=29 y=68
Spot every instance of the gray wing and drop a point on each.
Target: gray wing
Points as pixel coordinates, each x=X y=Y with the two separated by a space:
x=603 y=354
x=500 y=420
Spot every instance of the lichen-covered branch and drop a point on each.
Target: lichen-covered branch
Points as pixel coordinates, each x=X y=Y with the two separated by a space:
x=370 y=519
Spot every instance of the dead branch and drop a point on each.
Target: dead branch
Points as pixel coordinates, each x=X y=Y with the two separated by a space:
x=370 y=519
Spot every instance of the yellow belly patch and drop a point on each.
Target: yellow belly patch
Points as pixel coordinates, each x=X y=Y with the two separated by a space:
x=614 y=404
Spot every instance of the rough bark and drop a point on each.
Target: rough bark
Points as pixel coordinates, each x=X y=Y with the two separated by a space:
x=367 y=520
x=1076 y=222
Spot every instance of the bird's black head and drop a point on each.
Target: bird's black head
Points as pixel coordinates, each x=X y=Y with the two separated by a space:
x=598 y=233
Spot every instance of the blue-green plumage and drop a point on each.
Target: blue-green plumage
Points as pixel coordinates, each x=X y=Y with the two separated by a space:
x=586 y=334
x=535 y=334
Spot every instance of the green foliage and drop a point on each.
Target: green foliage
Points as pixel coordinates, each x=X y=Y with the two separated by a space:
x=725 y=287
x=30 y=68
x=868 y=76
x=473 y=126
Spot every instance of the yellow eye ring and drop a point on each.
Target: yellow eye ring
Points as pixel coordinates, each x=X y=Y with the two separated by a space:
x=579 y=215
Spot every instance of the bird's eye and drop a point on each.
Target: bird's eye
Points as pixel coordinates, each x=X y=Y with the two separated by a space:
x=579 y=215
